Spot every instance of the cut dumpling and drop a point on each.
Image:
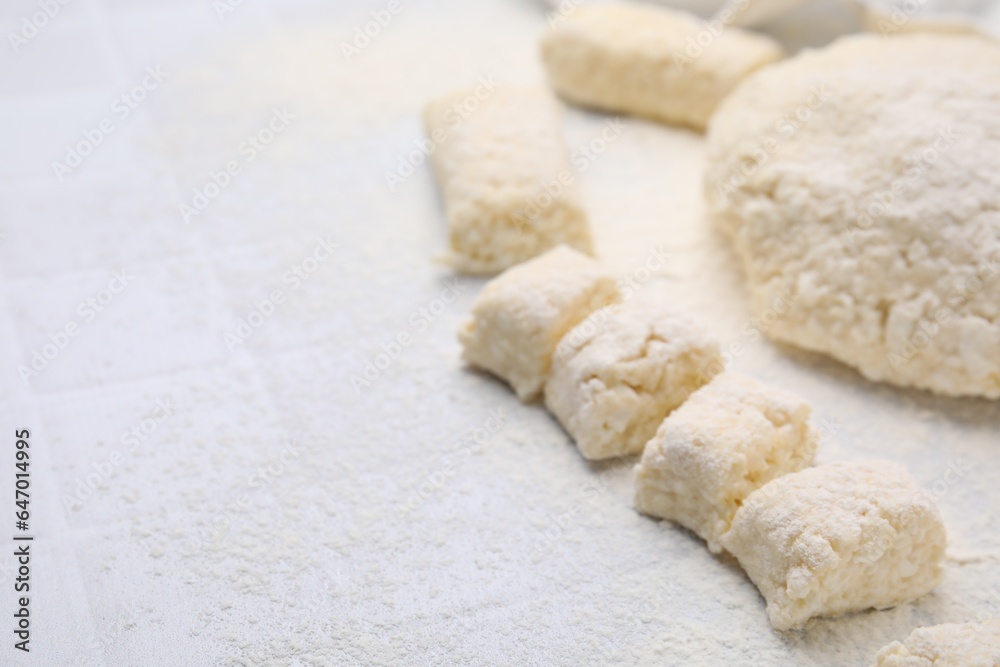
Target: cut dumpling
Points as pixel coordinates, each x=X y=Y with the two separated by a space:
x=948 y=645
x=731 y=437
x=618 y=373
x=521 y=315
x=839 y=538
x=503 y=167
x=647 y=61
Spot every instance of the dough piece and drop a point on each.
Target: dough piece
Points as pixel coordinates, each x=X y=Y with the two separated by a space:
x=838 y=538
x=502 y=164
x=861 y=184
x=648 y=61
x=948 y=645
x=885 y=17
x=519 y=317
x=731 y=437
x=616 y=377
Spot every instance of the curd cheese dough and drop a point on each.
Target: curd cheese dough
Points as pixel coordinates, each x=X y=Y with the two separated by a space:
x=838 y=538
x=948 y=645
x=860 y=185
x=731 y=437
x=648 y=61
x=503 y=168
x=618 y=373
x=520 y=316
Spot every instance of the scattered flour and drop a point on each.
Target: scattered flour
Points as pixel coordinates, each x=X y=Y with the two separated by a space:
x=404 y=530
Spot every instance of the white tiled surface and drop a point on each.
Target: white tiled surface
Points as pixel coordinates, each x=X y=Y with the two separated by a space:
x=184 y=552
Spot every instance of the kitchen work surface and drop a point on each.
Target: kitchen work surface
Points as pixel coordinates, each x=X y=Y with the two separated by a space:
x=252 y=440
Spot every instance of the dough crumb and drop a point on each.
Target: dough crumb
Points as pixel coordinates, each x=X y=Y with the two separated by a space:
x=731 y=437
x=520 y=316
x=839 y=538
x=650 y=61
x=502 y=162
x=620 y=372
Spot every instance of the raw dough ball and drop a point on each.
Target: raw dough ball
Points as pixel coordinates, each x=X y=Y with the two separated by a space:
x=502 y=163
x=730 y=438
x=648 y=61
x=838 y=538
x=863 y=180
x=948 y=645
x=621 y=371
x=519 y=317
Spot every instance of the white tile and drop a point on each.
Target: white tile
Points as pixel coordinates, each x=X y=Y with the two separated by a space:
x=168 y=318
x=285 y=293
x=187 y=443
x=91 y=220
x=185 y=32
x=66 y=11
x=11 y=385
x=48 y=125
x=125 y=585
x=63 y=57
